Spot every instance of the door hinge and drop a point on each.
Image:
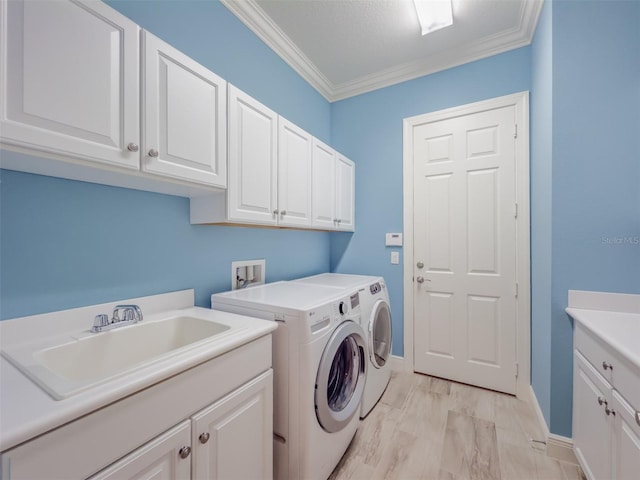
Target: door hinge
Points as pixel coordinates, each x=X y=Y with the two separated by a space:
x=515 y=213
x=516 y=289
x=516 y=369
x=515 y=131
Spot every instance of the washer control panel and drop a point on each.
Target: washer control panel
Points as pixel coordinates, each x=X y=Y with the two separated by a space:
x=375 y=288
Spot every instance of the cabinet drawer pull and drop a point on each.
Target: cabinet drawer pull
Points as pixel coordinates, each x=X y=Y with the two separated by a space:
x=184 y=452
x=204 y=437
x=609 y=411
x=607 y=366
x=602 y=401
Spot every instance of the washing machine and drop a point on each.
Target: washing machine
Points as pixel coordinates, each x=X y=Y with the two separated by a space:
x=375 y=321
x=319 y=365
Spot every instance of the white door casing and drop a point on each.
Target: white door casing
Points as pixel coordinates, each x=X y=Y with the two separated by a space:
x=469 y=318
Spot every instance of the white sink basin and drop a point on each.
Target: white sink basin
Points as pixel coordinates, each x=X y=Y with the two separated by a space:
x=70 y=365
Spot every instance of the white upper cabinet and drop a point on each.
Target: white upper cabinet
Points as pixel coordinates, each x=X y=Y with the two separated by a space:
x=324 y=187
x=345 y=193
x=333 y=189
x=70 y=80
x=253 y=149
x=185 y=116
x=294 y=175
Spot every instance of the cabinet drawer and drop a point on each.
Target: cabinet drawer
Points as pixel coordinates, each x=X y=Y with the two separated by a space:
x=595 y=352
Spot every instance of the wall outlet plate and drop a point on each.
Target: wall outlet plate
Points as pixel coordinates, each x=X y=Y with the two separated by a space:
x=247 y=273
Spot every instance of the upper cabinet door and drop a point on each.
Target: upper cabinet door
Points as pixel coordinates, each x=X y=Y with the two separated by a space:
x=345 y=193
x=70 y=80
x=324 y=186
x=185 y=116
x=253 y=147
x=294 y=175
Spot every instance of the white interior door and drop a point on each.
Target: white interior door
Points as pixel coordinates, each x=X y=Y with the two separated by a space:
x=465 y=248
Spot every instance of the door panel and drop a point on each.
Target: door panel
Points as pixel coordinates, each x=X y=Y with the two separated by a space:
x=465 y=234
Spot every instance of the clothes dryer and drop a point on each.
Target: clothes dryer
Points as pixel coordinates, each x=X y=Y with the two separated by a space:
x=375 y=321
x=319 y=364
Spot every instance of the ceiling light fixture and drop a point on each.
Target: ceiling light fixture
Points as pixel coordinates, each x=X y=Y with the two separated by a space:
x=434 y=14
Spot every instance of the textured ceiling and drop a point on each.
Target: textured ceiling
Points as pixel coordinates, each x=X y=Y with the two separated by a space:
x=347 y=47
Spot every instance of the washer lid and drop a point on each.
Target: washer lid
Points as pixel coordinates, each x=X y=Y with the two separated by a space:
x=379 y=330
x=341 y=376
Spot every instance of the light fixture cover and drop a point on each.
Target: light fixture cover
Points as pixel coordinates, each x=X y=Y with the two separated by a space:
x=434 y=14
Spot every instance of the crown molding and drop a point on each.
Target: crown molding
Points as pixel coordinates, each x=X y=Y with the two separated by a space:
x=259 y=23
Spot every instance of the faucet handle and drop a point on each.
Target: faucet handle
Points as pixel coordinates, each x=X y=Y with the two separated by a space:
x=100 y=321
x=130 y=313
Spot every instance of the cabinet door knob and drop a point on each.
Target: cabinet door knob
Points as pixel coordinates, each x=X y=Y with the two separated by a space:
x=132 y=147
x=607 y=366
x=153 y=153
x=420 y=265
x=420 y=279
x=609 y=411
x=204 y=437
x=184 y=452
x=602 y=401
x=638 y=417
x=283 y=213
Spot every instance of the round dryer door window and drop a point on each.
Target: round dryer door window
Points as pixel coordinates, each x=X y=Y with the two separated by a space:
x=380 y=334
x=341 y=376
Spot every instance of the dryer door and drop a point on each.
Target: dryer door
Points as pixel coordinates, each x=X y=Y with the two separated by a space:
x=380 y=334
x=341 y=376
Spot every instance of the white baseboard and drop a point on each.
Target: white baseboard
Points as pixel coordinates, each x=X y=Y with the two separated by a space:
x=399 y=364
x=558 y=447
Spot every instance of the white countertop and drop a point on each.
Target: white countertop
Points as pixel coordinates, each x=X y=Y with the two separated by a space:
x=27 y=411
x=615 y=318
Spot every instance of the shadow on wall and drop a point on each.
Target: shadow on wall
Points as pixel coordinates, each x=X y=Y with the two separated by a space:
x=339 y=245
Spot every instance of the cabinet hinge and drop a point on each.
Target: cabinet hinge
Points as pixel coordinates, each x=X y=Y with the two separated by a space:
x=515 y=131
x=516 y=289
x=516 y=369
x=515 y=212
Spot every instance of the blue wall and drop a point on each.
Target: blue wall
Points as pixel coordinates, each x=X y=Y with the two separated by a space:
x=541 y=102
x=368 y=129
x=596 y=168
x=66 y=244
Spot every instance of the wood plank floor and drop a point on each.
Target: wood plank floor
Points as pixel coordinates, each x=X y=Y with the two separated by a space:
x=429 y=428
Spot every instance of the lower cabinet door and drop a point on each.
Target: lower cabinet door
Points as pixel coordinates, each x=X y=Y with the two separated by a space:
x=166 y=457
x=627 y=440
x=233 y=438
x=592 y=427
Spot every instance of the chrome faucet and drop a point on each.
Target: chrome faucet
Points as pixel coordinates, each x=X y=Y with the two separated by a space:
x=122 y=315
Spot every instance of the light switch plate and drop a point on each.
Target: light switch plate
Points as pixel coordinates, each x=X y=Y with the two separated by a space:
x=395 y=258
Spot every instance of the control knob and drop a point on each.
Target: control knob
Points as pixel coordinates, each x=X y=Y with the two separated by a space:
x=343 y=308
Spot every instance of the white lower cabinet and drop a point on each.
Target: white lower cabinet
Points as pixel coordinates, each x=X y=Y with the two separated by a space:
x=229 y=440
x=232 y=438
x=606 y=426
x=155 y=433
x=160 y=459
